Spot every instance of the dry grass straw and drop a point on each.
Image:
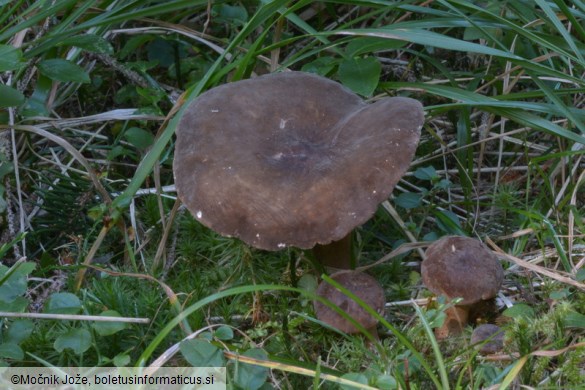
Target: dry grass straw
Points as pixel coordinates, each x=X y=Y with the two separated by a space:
x=74 y=317
x=556 y=275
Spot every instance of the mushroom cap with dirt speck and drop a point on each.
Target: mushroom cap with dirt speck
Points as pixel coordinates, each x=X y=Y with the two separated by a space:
x=362 y=285
x=462 y=267
x=292 y=158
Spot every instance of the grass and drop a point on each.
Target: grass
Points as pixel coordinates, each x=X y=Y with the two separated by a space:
x=91 y=95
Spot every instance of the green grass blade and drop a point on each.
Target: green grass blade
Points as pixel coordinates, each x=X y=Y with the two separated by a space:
x=519 y=29
x=430 y=38
x=559 y=104
x=558 y=245
x=513 y=373
x=436 y=349
x=553 y=18
x=513 y=110
x=148 y=351
x=36 y=18
x=575 y=24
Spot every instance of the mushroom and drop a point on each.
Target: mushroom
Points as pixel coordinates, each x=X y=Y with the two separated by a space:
x=362 y=285
x=291 y=159
x=488 y=338
x=460 y=267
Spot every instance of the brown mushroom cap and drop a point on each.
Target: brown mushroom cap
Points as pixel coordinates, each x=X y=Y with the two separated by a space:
x=291 y=159
x=462 y=267
x=493 y=333
x=362 y=285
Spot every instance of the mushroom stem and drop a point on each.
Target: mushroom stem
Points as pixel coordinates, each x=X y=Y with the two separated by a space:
x=374 y=332
x=337 y=254
x=457 y=317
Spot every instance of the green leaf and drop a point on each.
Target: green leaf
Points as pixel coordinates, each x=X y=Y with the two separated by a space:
x=36 y=104
x=443 y=184
x=151 y=95
x=109 y=328
x=580 y=276
x=200 y=353
x=13 y=281
x=308 y=282
x=386 y=382
x=249 y=376
x=448 y=222
x=361 y=75
x=63 y=70
x=560 y=294
x=90 y=42
x=356 y=377
x=205 y=336
x=161 y=51
x=6 y=246
x=409 y=200
x=118 y=151
x=11 y=351
x=10 y=97
x=3 y=205
x=138 y=137
x=19 y=305
x=6 y=167
x=14 y=287
x=122 y=360
x=233 y=14
x=426 y=173
x=132 y=45
x=10 y=58
x=78 y=340
x=224 y=333
x=435 y=318
x=519 y=310
x=63 y=303
x=575 y=320
x=19 y=330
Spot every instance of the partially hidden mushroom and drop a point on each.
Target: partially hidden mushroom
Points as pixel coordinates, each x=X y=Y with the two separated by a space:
x=292 y=159
x=488 y=339
x=460 y=267
x=363 y=286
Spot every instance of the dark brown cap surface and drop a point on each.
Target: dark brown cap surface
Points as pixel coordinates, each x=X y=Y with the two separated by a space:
x=462 y=267
x=362 y=285
x=494 y=336
x=291 y=159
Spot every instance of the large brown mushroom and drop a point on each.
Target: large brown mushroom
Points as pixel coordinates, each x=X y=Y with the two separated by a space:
x=460 y=267
x=362 y=285
x=291 y=159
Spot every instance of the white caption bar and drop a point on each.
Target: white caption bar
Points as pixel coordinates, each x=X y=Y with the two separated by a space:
x=122 y=378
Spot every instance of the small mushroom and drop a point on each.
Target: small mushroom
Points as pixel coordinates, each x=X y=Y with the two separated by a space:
x=488 y=338
x=362 y=285
x=460 y=267
x=291 y=159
